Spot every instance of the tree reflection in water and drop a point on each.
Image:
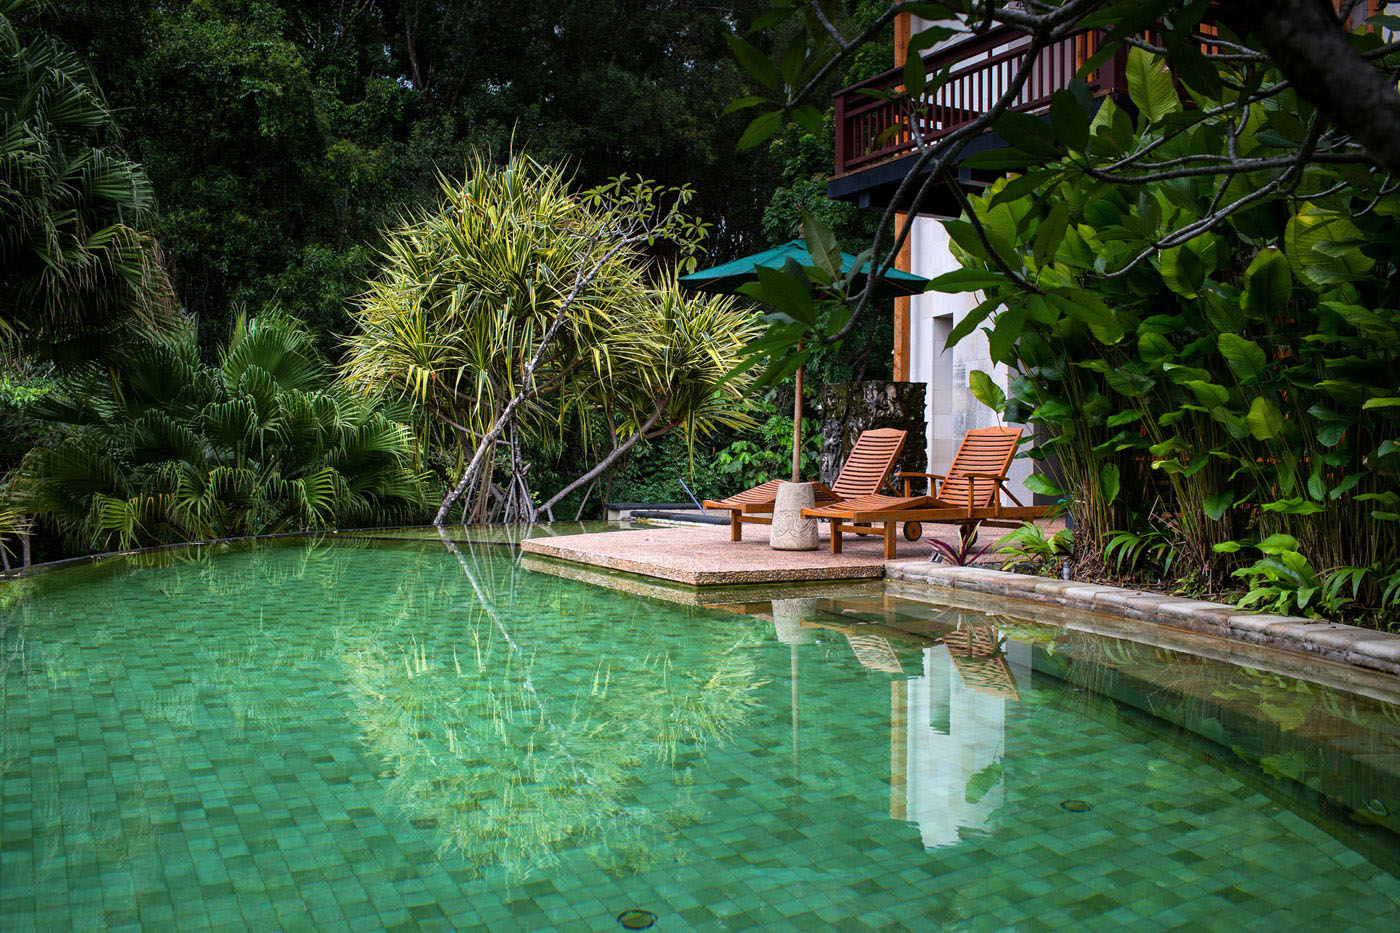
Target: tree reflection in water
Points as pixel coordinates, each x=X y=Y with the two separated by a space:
x=516 y=752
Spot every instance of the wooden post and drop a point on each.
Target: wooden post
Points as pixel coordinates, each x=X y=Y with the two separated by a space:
x=902 y=29
x=902 y=307
x=797 y=424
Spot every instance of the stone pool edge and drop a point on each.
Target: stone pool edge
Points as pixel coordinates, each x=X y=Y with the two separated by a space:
x=1361 y=647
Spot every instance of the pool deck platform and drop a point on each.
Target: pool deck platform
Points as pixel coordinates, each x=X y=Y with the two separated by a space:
x=703 y=555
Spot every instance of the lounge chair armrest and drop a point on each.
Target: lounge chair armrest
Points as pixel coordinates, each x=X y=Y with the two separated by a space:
x=998 y=478
x=908 y=486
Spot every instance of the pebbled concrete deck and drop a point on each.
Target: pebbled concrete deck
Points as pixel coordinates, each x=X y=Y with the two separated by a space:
x=703 y=555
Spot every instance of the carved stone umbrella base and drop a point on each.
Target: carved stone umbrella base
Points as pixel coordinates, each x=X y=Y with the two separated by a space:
x=790 y=531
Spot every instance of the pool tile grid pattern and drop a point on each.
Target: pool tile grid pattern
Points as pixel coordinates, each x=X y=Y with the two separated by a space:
x=210 y=778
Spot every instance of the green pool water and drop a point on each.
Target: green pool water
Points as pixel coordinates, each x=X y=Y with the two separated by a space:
x=399 y=731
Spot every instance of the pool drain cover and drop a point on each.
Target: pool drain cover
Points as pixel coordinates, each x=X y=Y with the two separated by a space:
x=636 y=919
x=1076 y=806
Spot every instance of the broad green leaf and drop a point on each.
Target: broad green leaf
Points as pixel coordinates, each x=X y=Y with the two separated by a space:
x=1217 y=505
x=743 y=103
x=1323 y=247
x=1182 y=270
x=1070 y=119
x=986 y=391
x=1006 y=330
x=789 y=294
x=1278 y=544
x=762 y=128
x=755 y=63
x=970 y=321
x=966 y=280
x=1109 y=483
x=821 y=244
x=1209 y=394
x=1295 y=506
x=914 y=75
x=1246 y=358
x=1388 y=401
x=1049 y=235
x=1028 y=133
x=1267 y=284
x=1150 y=86
x=1042 y=485
x=1091 y=310
x=1154 y=348
x=1194 y=69
x=770 y=17
x=1264 y=420
x=809 y=118
x=1022 y=186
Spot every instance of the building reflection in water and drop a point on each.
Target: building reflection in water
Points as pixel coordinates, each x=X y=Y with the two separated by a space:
x=947 y=725
x=948 y=733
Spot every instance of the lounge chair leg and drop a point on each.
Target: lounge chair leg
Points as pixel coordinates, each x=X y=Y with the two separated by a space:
x=736 y=529
x=836 y=536
x=890 y=526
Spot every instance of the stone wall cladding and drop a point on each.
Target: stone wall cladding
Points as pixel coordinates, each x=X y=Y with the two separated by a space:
x=850 y=408
x=1360 y=647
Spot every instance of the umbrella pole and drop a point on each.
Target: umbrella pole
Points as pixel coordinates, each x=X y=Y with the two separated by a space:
x=797 y=425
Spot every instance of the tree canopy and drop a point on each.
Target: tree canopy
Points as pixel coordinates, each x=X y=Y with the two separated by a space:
x=282 y=137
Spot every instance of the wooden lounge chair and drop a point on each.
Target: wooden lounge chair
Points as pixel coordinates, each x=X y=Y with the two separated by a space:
x=968 y=496
x=866 y=470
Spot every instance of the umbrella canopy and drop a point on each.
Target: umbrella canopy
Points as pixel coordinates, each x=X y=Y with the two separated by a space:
x=727 y=278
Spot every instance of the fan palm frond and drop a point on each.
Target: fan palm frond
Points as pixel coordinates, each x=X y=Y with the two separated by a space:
x=236 y=450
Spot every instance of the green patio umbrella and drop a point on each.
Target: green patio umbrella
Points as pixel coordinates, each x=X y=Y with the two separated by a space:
x=727 y=279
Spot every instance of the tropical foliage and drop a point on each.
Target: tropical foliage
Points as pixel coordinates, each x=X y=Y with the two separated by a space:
x=77 y=267
x=282 y=137
x=1233 y=394
x=169 y=448
x=519 y=313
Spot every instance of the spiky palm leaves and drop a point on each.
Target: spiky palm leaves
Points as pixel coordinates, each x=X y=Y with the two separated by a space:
x=169 y=448
x=75 y=265
x=468 y=293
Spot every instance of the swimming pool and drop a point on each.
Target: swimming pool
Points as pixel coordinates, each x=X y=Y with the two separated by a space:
x=417 y=732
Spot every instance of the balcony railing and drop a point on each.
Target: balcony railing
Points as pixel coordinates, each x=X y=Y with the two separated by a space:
x=871 y=130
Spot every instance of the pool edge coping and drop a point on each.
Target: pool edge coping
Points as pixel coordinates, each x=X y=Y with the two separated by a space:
x=1366 y=648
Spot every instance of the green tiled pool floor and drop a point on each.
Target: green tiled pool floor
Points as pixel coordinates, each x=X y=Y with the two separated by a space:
x=416 y=736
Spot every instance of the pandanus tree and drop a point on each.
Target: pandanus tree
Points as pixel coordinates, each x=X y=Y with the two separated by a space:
x=77 y=266
x=518 y=305
x=168 y=448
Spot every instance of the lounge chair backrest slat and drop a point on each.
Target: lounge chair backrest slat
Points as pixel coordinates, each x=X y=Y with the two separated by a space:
x=869 y=465
x=983 y=450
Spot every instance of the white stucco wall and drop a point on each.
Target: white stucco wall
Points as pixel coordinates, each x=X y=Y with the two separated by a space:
x=951 y=409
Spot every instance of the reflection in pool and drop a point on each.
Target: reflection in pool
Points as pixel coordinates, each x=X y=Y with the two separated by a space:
x=428 y=731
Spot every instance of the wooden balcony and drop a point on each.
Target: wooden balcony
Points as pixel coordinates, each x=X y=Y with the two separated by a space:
x=870 y=130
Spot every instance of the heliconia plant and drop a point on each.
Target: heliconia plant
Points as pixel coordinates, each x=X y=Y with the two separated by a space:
x=1224 y=389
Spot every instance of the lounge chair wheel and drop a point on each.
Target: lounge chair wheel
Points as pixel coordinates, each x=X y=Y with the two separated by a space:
x=913 y=531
